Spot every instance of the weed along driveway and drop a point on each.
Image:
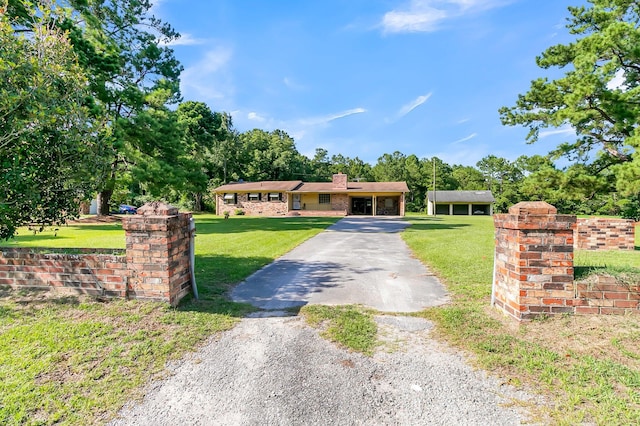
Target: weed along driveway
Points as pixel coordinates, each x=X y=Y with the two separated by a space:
x=358 y=260
x=274 y=369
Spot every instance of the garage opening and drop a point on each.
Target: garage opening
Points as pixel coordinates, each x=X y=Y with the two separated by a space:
x=442 y=209
x=362 y=206
x=480 y=209
x=460 y=209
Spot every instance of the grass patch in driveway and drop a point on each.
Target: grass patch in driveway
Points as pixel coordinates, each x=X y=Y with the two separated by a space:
x=351 y=326
x=587 y=366
x=72 y=360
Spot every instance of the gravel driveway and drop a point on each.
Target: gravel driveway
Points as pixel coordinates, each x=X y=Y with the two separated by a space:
x=278 y=371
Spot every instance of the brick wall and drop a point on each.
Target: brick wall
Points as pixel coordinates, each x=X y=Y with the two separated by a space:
x=155 y=265
x=340 y=202
x=605 y=234
x=607 y=296
x=533 y=261
x=381 y=206
x=87 y=271
x=255 y=208
x=533 y=264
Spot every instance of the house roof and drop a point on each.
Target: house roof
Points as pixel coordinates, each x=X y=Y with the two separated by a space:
x=329 y=187
x=299 y=186
x=264 y=186
x=462 y=196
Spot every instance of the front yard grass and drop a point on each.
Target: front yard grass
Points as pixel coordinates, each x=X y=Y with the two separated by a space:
x=71 y=360
x=587 y=367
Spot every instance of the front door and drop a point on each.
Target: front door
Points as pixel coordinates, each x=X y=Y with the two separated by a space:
x=362 y=206
x=296 y=201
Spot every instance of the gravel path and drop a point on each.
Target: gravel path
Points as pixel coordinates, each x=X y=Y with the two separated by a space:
x=278 y=371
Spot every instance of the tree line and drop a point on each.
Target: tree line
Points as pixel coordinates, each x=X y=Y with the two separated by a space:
x=90 y=105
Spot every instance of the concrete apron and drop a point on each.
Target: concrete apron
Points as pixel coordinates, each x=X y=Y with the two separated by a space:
x=358 y=260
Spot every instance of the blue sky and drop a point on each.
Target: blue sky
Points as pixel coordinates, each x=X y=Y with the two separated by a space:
x=366 y=77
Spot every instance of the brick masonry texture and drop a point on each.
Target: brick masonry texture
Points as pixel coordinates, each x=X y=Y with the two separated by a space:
x=607 y=296
x=605 y=234
x=155 y=265
x=534 y=268
x=87 y=273
x=264 y=207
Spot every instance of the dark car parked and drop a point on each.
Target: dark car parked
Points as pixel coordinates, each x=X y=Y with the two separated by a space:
x=127 y=209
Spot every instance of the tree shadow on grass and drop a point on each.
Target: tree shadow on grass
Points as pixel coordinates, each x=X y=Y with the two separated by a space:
x=215 y=277
x=431 y=223
x=249 y=224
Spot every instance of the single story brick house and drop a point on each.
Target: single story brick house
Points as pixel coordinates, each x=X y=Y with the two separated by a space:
x=460 y=203
x=297 y=198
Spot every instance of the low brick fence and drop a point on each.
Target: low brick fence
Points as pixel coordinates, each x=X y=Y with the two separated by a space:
x=84 y=271
x=154 y=266
x=605 y=234
x=606 y=296
x=533 y=268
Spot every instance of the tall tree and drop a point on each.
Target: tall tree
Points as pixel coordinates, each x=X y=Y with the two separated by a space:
x=48 y=148
x=133 y=77
x=269 y=155
x=390 y=167
x=198 y=129
x=320 y=166
x=355 y=168
x=598 y=96
x=468 y=178
x=502 y=178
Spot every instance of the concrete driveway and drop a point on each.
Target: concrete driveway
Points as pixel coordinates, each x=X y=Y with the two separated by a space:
x=358 y=260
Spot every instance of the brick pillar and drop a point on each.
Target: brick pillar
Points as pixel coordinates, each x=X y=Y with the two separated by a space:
x=157 y=254
x=533 y=261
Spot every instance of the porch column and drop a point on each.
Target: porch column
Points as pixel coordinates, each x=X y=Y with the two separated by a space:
x=450 y=209
x=374 y=207
x=470 y=210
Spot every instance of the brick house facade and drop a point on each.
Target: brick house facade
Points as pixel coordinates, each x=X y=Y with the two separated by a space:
x=297 y=198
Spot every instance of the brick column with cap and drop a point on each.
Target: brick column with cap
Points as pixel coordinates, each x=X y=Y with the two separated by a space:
x=533 y=261
x=157 y=241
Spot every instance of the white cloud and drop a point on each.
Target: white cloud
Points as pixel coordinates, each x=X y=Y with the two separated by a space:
x=254 y=116
x=292 y=84
x=185 y=39
x=296 y=128
x=462 y=121
x=325 y=119
x=427 y=15
x=471 y=136
x=564 y=130
x=424 y=20
x=207 y=79
x=406 y=109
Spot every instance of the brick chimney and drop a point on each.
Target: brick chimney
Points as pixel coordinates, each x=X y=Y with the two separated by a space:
x=340 y=181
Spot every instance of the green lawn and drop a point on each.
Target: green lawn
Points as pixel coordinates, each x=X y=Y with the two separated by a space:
x=589 y=367
x=69 y=360
x=76 y=361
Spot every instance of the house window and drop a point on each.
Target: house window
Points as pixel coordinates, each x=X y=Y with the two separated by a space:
x=230 y=198
x=255 y=196
x=275 y=196
x=324 y=198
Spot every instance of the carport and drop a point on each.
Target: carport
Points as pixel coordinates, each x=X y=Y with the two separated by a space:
x=462 y=203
